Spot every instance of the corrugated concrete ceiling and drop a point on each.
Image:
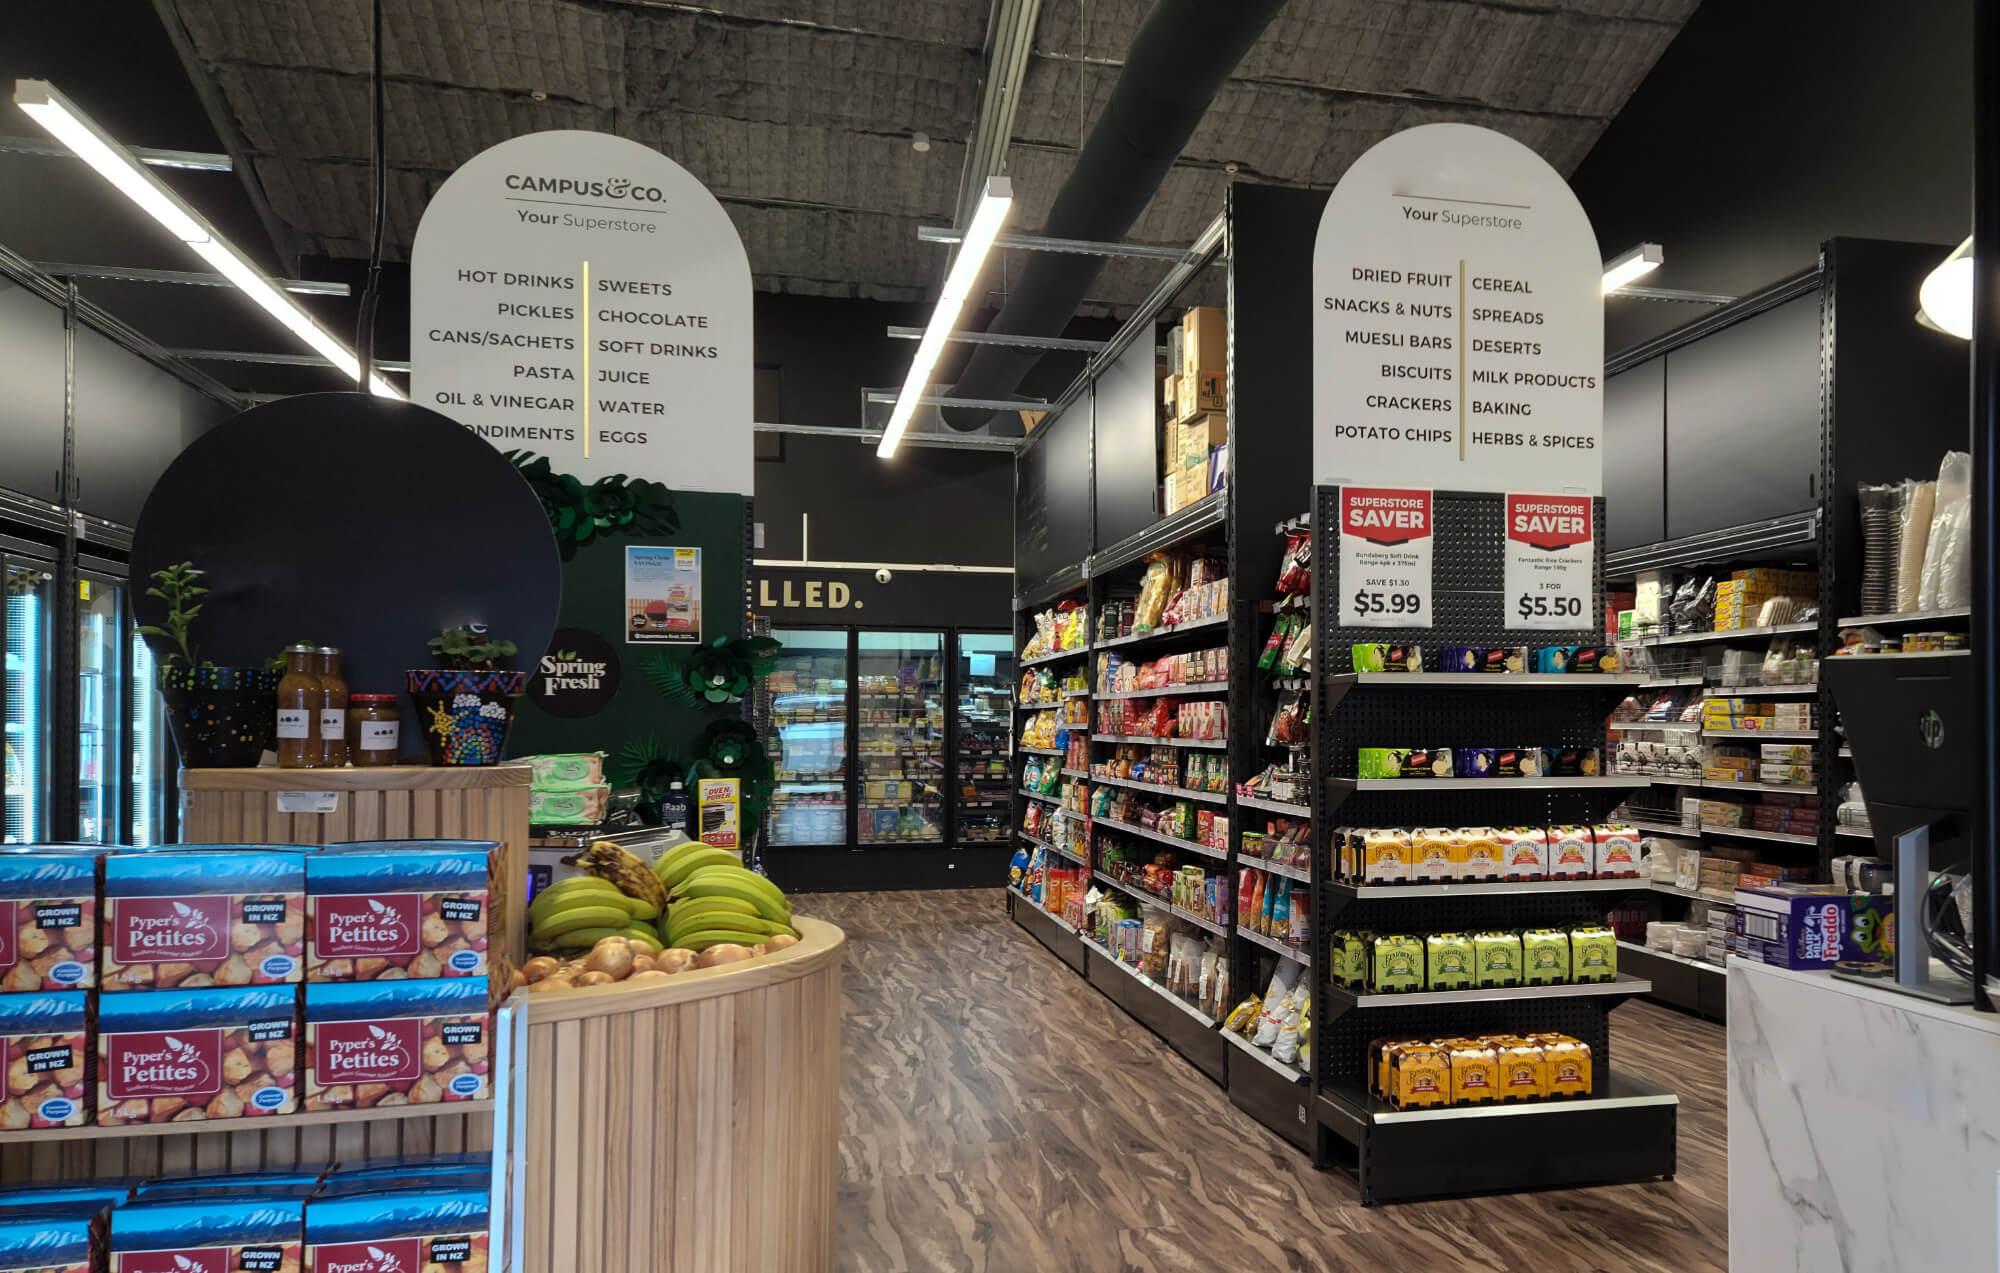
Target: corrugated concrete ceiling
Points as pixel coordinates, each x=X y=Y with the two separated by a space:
x=799 y=114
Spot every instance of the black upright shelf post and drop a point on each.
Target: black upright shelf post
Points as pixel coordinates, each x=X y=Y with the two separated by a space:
x=1985 y=487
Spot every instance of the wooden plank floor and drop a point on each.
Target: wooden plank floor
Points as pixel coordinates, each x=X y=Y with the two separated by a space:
x=999 y=1114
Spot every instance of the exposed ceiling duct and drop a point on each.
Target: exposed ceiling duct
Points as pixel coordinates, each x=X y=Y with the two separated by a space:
x=1183 y=54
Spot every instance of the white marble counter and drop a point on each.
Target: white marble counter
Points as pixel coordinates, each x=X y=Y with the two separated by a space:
x=1864 y=1128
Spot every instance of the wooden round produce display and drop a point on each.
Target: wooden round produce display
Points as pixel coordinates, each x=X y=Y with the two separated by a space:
x=688 y=1124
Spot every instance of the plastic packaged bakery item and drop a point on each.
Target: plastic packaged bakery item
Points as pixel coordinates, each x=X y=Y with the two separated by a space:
x=1496 y=959
x=1277 y=1002
x=1448 y=958
x=1242 y=1019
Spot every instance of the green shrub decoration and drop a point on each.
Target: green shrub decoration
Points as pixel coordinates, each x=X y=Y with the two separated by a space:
x=714 y=674
x=611 y=506
x=730 y=749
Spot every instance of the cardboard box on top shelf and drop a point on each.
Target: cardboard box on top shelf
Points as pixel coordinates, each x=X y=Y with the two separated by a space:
x=1205 y=340
x=1199 y=436
x=1170 y=393
x=1201 y=391
x=1186 y=487
x=1176 y=351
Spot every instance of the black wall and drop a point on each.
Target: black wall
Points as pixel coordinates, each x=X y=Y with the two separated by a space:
x=1767 y=129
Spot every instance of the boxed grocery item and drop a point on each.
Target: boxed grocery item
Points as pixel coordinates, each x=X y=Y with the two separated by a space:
x=1369 y=656
x=183 y=1055
x=1483 y=658
x=1786 y=753
x=470 y=1168
x=1524 y=1070
x=1572 y=853
x=1419 y=1076
x=47 y=1049
x=1569 y=1065
x=1196 y=438
x=1388 y=856
x=48 y=918
x=283 y=1181
x=229 y=915
x=1593 y=953
x=63 y=1238
x=1787 y=775
x=1792 y=925
x=1431 y=860
x=1524 y=853
x=209 y=1233
x=573 y=769
x=399 y=1231
x=1396 y=965
x=400 y=908
x=395 y=1042
x=1448 y=957
x=1199 y=392
x=1475 y=1073
x=1617 y=852
x=1517 y=762
x=1204 y=339
x=1544 y=957
x=108 y=1190
x=1496 y=959
x=1348 y=960
x=1479 y=853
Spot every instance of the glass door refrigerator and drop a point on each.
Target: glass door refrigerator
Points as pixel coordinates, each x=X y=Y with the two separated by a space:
x=983 y=737
x=150 y=751
x=808 y=738
x=27 y=694
x=100 y=710
x=900 y=779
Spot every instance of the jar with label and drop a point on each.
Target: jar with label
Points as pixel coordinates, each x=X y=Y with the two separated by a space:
x=373 y=730
x=299 y=698
x=332 y=731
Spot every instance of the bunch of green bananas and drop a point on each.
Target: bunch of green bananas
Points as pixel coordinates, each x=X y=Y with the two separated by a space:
x=577 y=913
x=713 y=898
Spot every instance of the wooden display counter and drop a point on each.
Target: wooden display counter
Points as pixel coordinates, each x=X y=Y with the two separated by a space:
x=690 y=1126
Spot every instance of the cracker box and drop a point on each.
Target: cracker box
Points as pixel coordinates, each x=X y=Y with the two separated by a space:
x=52 y=1238
x=1475 y=1073
x=1593 y=953
x=396 y=1042
x=209 y=1233
x=1792 y=925
x=398 y=1231
x=48 y=918
x=48 y=1050
x=1524 y=853
x=397 y=909
x=1572 y=853
x=1544 y=957
x=230 y=915
x=1496 y=959
x=1616 y=854
x=1448 y=958
x=184 y=1055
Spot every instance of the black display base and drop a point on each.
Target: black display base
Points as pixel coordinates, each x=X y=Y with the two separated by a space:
x=1678 y=983
x=1182 y=1030
x=1062 y=942
x=1623 y=1134
x=1281 y=1104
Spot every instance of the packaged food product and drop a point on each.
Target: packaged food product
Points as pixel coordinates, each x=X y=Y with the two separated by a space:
x=1568 y=1065
x=470 y=1169
x=1432 y=856
x=1389 y=857
x=61 y=1238
x=580 y=806
x=278 y=1180
x=1448 y=957
x=1572 y=853
x=1475 y=1073
x=1371 y=657
x=1474 y=762
x=1483 y=658
x=1496 y=959
x=395 y=1042
x=48 y=918
x=573 y=769
x=221 y=915
x=398 y=1231
x=1517 y=762
x=1570 y=762
x=1278 y=1001
x=1524 y=1070
x=1524 y=853
x=1396 y=965
x=1480 y=853
x=1593 y=953
x=47 y=1046
x=1419 y=1077
x=1348 y=960
x=181 y=1055
x=401 y=908
x=1616 y=853
x=111 y=1190
x=1544 y=957
x=1380 y=762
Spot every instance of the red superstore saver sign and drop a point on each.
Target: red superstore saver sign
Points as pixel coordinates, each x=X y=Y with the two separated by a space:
x=1549 y=521
x=390 y=1255
x=151 y=930
x=185 y=1063
x=360 y=926
x=1384 y=516
x=367 y=1051
x=206 y=1259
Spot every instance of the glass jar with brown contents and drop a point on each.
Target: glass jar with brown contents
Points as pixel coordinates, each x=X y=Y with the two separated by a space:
x=374 y=726
x=299 y=698
x=331 y=734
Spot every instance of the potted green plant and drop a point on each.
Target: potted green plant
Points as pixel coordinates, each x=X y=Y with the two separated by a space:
x=465 y=706
x=220 y=717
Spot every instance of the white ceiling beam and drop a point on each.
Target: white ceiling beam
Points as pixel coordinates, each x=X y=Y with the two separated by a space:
x=1010 y=37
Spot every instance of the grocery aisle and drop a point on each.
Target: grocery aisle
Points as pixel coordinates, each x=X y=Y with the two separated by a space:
x=999 y=1114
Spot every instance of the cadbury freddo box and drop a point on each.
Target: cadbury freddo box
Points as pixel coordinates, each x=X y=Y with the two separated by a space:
x=220 y=915
x=392 y=909
x=185 y=1055
x=371 y=1043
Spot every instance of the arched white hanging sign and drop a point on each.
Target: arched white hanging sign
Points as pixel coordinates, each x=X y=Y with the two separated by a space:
x=1458 y=325
x=582 y=296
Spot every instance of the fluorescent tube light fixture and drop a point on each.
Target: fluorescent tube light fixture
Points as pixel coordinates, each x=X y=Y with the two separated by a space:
x=117 y=165
x=1622 y=269
x=1945 y=299
x=994 y=204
